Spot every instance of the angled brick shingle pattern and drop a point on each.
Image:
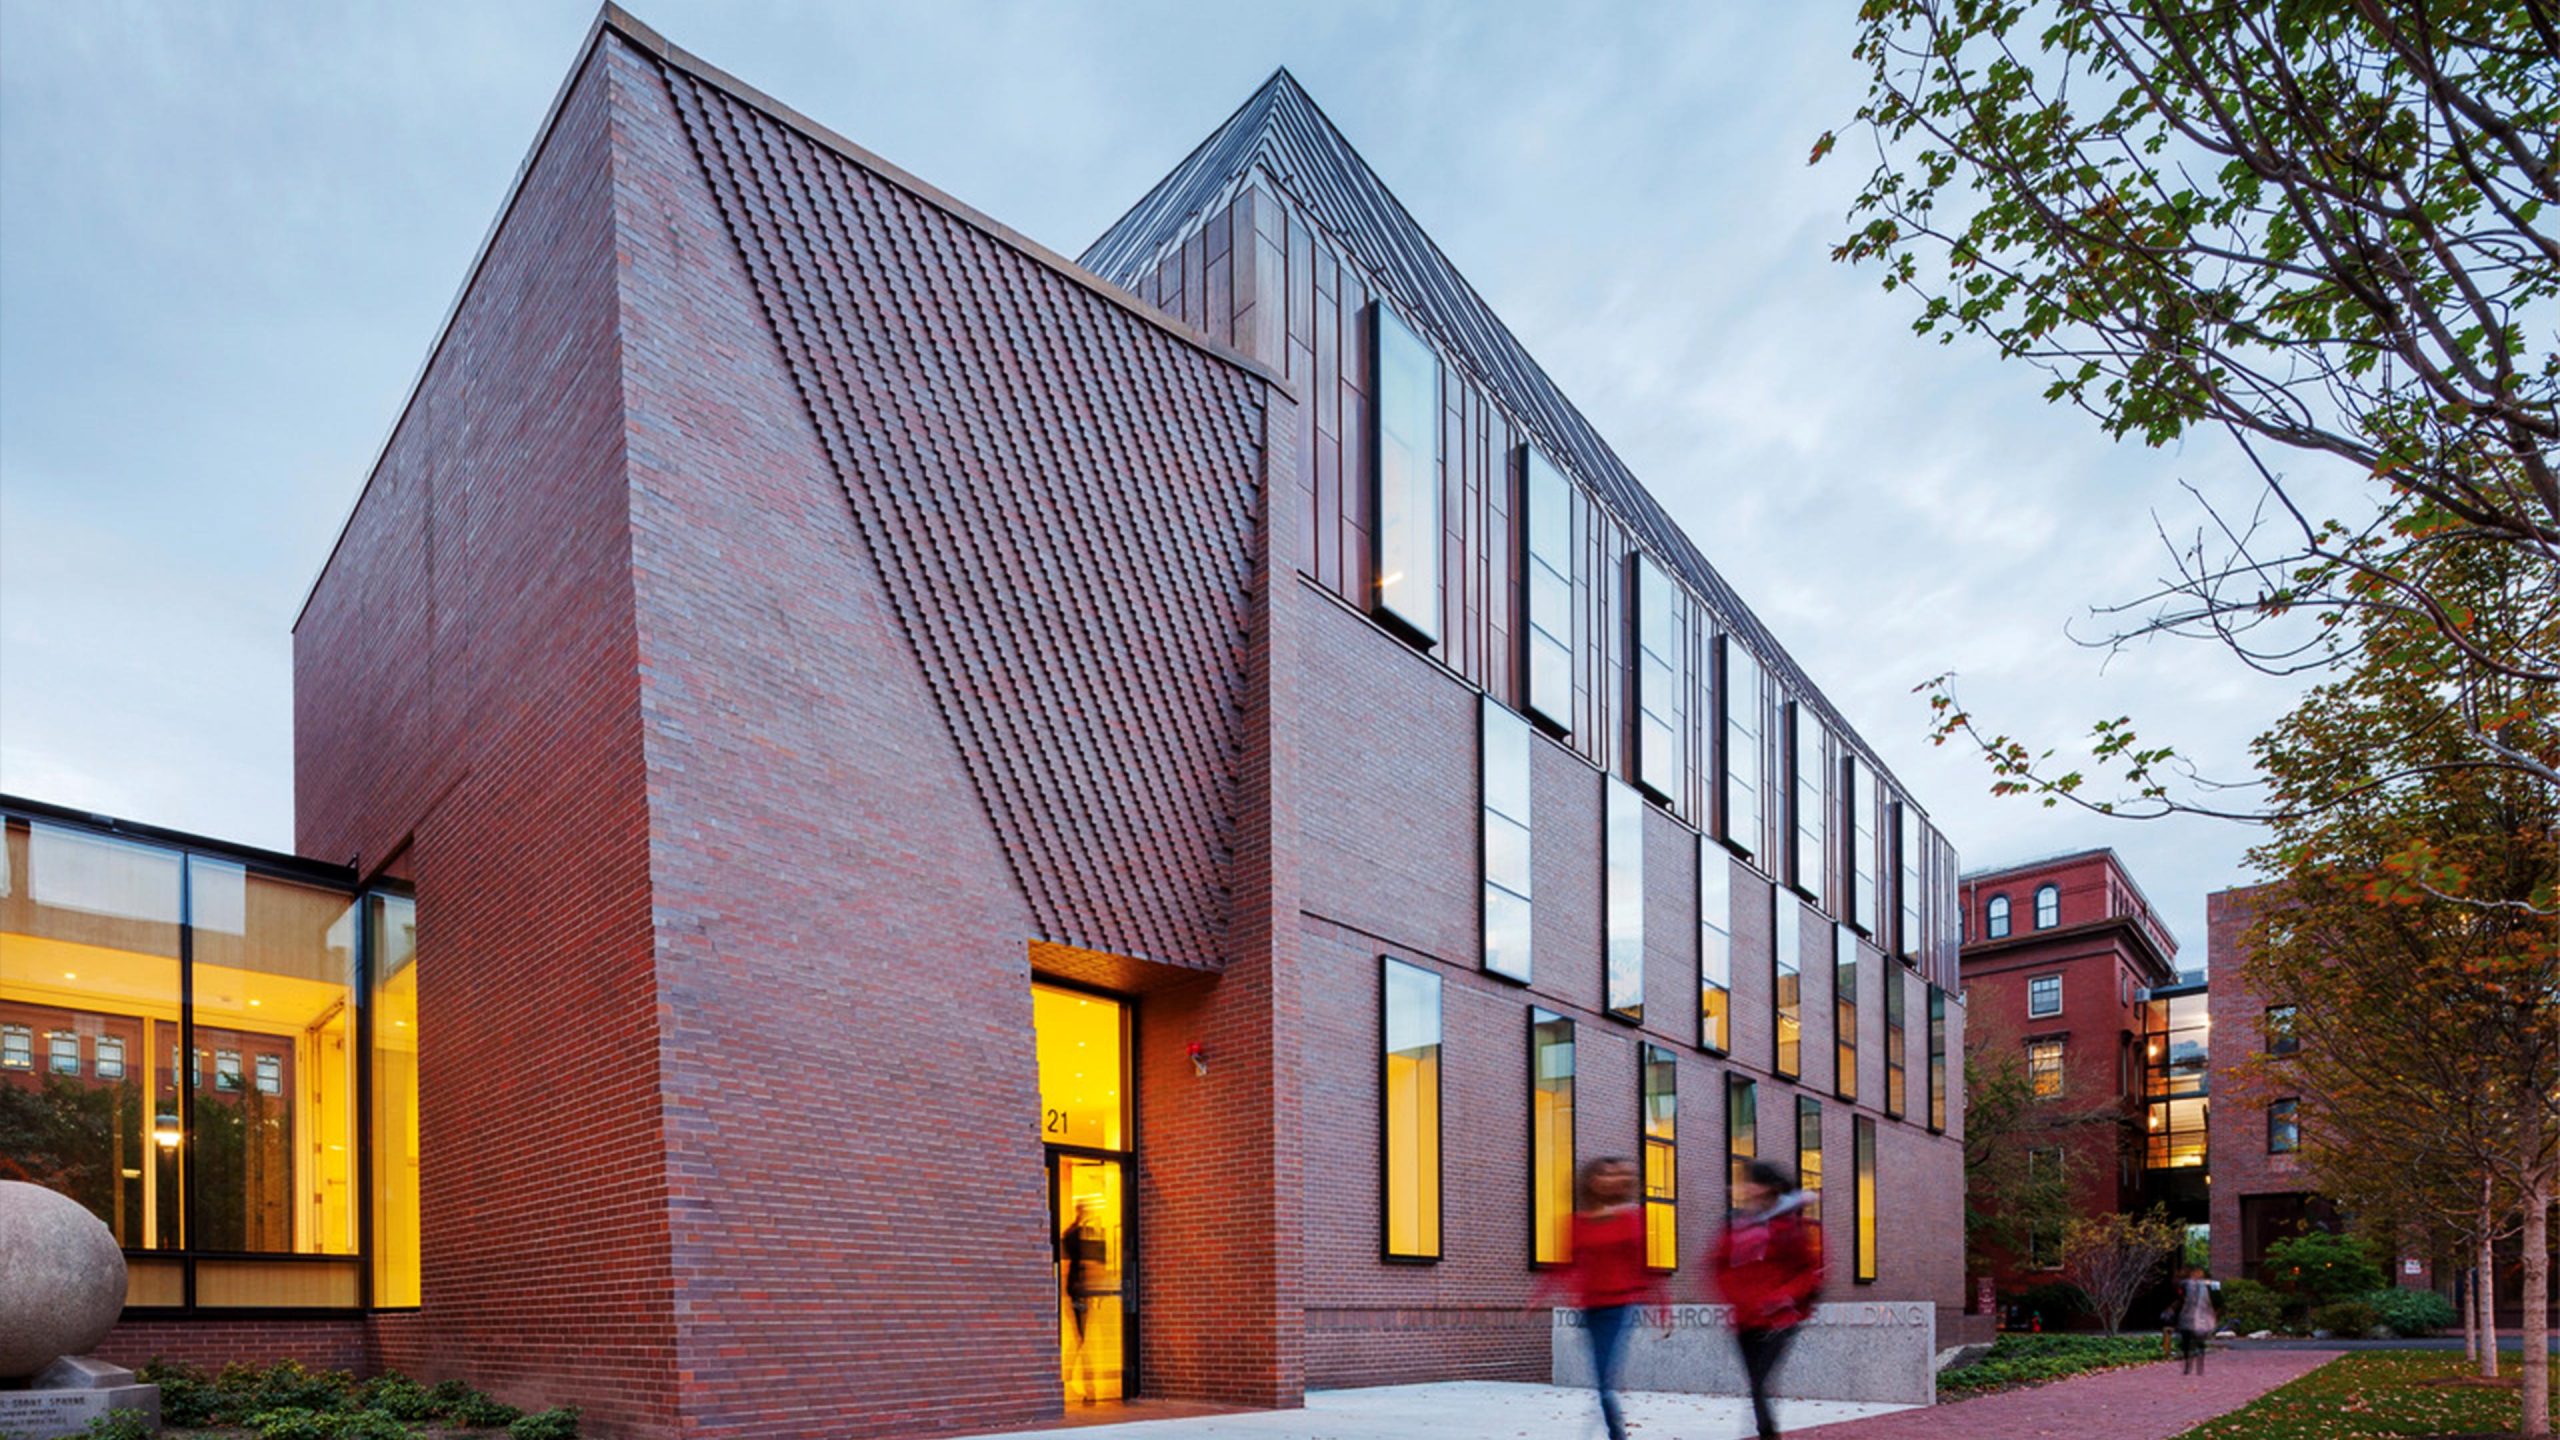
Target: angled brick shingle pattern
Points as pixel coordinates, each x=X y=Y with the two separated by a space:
x=1061 y=500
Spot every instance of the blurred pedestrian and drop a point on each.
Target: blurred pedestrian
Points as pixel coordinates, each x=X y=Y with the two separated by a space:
x=1606 y=1275
x=1767 y=1264
x=2196 y=1321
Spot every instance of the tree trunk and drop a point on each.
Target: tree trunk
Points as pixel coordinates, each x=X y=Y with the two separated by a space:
x=2537 y=1307
x=2485 y=1294
x=2463 y=1292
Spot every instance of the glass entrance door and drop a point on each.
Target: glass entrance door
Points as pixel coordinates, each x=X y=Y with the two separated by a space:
x=1087 y=1202
x=1084 y=1050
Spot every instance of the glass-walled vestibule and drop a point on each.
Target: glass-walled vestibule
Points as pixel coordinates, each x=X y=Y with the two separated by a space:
x=215 y=1051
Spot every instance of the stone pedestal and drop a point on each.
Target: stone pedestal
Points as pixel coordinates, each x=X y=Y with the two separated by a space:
x=1884 y=1352
x=69 y=1393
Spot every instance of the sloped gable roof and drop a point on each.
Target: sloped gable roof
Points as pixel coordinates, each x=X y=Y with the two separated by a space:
x=1281 y=132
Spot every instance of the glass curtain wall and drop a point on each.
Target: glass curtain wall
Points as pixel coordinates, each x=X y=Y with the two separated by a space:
x=193 y=1072
x=2174 y=1090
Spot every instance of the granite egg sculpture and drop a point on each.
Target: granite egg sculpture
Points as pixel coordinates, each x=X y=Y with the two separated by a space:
x=61 y=1279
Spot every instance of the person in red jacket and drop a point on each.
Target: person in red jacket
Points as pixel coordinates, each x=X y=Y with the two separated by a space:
x=1767 y=1264
x=1606 y=1274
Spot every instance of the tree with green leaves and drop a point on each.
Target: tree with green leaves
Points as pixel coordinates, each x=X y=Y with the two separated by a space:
x=2326 y=230
x=2413 y=930
x=2025 y=1155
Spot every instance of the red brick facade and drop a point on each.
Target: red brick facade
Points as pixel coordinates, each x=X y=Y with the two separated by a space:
x=2099 y=938
x=795 y=611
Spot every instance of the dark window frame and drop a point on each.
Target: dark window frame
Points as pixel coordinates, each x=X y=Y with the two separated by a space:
x=1995 y=918
x=1741 y=1132
x=1745 y=744
x=2282 y=1038
x=1786 y=962
x=1897 y=1043
x=1844 y=1011
x=1493 y=713
x=1937 y=1059
x=1387 y=328
x=1622 y=821
x=2035 y=981
x=2284 y=1124
x=2048 y=906
x=1809 y=1176
x=1388 y=964
x=1866 y=1199
x=1545 y=584
x=1540 y=1017
x=1715 y=997
x=1650 y=1060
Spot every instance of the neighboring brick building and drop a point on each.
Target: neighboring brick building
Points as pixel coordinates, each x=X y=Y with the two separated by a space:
x=2063 y=958
x=977 y=833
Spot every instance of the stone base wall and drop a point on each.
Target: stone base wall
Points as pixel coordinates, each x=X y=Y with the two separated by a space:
x=1883 y=1353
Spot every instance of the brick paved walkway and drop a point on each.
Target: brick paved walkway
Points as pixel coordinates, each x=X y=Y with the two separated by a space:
x=2148 y=1402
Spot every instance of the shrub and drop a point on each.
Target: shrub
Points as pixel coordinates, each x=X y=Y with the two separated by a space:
x=2017 y=1359
x=2414 y=1314
x=286 y=1385
x=559 y=1424
x=121 y=1425
x=475 y=1411
x=326 y=1425
x=2249 y=1307
x=188 y=1397
x=2347 y=1319
x=398 y=1396
x=2320 y=1268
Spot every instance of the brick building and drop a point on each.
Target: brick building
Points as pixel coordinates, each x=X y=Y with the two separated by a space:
x=965 y=829
x=2064 y=959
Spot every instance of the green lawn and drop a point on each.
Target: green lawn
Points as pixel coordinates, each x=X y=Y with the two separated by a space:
x=2031 y=1359
x=2374 y=1394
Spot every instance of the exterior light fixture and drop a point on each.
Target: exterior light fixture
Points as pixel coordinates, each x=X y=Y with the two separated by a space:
x=164 y=1130
x=1199 y=1057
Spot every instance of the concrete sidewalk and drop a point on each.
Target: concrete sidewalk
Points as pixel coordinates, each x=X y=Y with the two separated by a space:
x=1473 y=1410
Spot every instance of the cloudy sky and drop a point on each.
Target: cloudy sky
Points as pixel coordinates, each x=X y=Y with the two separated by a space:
x=228 y=232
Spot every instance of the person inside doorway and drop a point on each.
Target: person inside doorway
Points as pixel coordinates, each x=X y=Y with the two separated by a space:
x=1606 y=1275
x=1085 y=1253
x=1767 y=1264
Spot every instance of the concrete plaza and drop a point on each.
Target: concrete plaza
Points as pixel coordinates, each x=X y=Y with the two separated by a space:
x=1474 y=1410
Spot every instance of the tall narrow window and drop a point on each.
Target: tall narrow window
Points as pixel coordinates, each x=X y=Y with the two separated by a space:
x=1844 y=1011
x=2284 y=1127
x=1805 y=742
x=1715 y=947
x=1809 y=1154
x=1789 y=964
x=1662 y=681
x=1906 y=856
x=1550 y=1138
x=1405 y=417
x=1937 y=1058
x=1995 y=918
x=1661 y=1102
x=1864 y=1159
x=1506 y=842
x=393 y=936
x=1411 y=1097
x=1738 y=693
x=1548 y=565
x=2044 y=1069
x=1741 y=1134
x=1858 y=798
x=1897 y=1040
x=1625 y=860
x=2048 y=906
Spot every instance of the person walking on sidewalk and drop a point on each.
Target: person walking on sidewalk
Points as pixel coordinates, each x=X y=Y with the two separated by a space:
x=1605 y=1275
x=2195 y=1319
x=1767 y=1264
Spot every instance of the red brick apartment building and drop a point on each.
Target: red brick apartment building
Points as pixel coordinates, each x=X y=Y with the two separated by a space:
x=877 y=781
x=2065 y=959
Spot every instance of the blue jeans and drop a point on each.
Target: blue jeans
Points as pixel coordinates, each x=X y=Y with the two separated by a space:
x=1607 y=1326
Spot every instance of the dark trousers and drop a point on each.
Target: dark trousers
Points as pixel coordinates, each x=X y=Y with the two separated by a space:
x=2191 y=1350
x=1761 y=1352
x=1607 y=1326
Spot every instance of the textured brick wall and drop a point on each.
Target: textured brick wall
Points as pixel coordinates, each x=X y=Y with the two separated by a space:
x=2236 y=1128
x=1388 y=759
x=323 y=1344
x=466 y=684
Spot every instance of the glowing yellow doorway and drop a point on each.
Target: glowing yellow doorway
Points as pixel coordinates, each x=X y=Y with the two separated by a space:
x=1083 y=1044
